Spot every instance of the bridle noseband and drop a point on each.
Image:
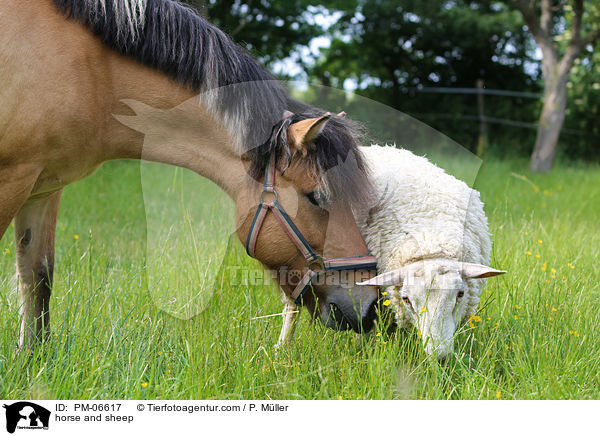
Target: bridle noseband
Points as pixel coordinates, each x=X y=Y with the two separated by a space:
x=316 y=263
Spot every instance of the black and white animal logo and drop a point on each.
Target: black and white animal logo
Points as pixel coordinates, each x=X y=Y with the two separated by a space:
x=26 y=415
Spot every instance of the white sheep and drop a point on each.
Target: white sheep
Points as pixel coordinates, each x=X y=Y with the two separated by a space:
x=430 y=236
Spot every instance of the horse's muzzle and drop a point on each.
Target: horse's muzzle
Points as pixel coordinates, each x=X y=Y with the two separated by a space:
x=354 y=309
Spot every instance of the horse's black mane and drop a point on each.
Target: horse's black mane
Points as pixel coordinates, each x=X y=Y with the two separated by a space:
x=175 y=39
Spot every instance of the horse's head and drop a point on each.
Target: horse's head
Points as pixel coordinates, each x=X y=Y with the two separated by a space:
x=320 y=178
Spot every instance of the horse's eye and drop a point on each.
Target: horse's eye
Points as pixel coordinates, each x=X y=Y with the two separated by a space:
x=313 y=197
x=460 y=294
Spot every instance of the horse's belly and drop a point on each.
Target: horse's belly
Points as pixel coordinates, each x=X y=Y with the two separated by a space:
x=54 y=178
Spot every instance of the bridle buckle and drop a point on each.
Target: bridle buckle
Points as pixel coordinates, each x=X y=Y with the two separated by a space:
x=317 y=265
x=271 y=192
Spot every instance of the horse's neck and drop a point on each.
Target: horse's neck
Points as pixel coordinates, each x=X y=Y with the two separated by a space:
x=156 y=119
x=77 y=87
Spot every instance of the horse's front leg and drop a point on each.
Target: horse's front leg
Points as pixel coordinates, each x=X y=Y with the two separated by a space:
x=35 y=226
x=16 y=183
x=291 y=312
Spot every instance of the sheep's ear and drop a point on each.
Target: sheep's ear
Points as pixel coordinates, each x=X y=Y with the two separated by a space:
x=303 y=133
x=476 y=271
x=392 y=278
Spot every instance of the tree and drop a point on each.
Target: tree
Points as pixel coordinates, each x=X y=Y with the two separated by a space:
x=271 y=30
x=392 y=49
x=556 y=66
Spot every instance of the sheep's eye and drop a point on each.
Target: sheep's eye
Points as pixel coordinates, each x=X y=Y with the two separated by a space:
x=460 y=294
x=405 y=299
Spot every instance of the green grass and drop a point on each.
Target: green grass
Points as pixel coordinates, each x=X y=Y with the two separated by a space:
x=111 y=338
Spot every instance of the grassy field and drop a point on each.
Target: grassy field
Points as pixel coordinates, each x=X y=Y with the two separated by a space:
x=111 y=338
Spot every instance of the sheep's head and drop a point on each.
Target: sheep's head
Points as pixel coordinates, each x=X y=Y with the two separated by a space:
x=433 y=296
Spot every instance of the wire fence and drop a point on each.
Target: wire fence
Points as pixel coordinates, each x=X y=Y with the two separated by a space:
x=484 y=91
x=484 y=118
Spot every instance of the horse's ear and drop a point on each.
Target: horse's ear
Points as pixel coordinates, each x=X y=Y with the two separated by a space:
x=303 y=133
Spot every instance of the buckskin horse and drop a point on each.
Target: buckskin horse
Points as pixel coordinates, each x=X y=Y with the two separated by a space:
x=71 y=71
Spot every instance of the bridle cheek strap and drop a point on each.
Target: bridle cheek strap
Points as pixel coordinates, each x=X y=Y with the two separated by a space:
x=316 y=264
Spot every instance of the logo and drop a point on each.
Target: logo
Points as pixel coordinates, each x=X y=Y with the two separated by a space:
x=26 y=415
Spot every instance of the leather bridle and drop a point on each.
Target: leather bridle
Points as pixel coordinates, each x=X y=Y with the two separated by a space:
x=316 y=264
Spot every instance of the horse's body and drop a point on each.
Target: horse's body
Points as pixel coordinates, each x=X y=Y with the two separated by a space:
x=59 y=87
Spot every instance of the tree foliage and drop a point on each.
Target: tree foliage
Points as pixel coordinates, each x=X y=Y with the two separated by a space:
x=393 y=50
x=269 y=29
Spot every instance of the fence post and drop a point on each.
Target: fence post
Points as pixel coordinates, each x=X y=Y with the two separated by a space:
x=482 y=139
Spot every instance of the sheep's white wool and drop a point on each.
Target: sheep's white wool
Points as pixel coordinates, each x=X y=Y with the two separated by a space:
x=423 y=213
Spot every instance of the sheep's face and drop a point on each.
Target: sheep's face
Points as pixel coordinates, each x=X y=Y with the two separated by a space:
x=432 y=296
x=433 y=299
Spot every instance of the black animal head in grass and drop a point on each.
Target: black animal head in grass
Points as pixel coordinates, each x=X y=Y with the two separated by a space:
x=26 y=415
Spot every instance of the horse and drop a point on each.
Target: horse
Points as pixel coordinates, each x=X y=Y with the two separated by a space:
x=76 y=75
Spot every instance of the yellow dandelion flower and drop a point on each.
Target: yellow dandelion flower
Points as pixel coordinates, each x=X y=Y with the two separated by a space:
x=549 y=318
x=537 y=256
x=540 y=241
x=516 y=317
x=526 y=233
x=384 y=293
x=528 y=253
x=571 y=265
x=576 y=333
x=517 y=307
x=553 y=271
x=378 y=334
x=498 y=395
x=506 y=346
x=387 y=302
x=554 y=309
x=76 y=237
x=385 y=342
x=553 y=277
x=423 y=309
x=340 y=398
x=144 y=385
x=7 y=251
x=579 y=312
x=419 y=334
x=489 y=319
x=160 y=353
